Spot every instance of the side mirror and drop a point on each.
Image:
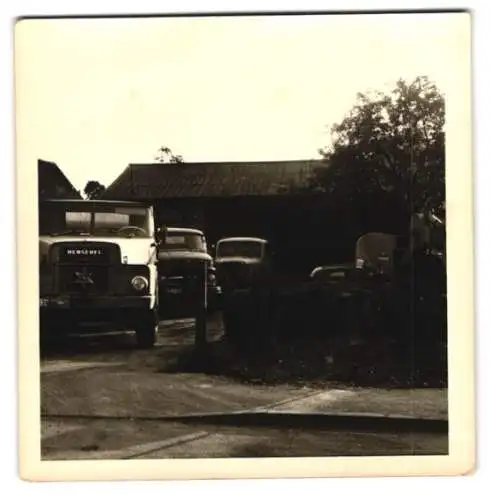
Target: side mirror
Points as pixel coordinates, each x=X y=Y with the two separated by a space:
x=160 y=234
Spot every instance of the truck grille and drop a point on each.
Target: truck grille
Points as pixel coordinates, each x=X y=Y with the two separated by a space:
x=79 y=279
x=182 y=268
x=83 y=267
x=233 y=274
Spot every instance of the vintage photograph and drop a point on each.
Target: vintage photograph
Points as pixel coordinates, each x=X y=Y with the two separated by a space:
x=242 y=233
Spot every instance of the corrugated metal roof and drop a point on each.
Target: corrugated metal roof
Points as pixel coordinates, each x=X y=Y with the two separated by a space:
x=189 y=180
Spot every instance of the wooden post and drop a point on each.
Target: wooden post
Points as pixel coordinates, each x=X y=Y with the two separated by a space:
x=201 y=307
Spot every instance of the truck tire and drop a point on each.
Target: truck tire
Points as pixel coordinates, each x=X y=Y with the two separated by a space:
x=146 y=330
x=52 y=333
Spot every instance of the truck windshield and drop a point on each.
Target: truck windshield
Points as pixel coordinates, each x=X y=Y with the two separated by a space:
x=249 y=249
x=56 y=218
x=184 y=241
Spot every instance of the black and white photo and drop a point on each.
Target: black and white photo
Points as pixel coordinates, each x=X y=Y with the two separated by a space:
x=244 y=227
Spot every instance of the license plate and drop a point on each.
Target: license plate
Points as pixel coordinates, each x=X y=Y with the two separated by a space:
x=174 y=291
x=54 y=302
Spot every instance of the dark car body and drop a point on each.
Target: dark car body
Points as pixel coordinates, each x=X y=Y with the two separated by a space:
x=186 y=272
x=242 y=262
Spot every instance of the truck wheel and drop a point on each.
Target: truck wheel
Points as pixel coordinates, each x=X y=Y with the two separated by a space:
x=52 y=333
x=146 y=330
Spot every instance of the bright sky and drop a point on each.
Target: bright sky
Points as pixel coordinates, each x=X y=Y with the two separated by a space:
x=102 y=93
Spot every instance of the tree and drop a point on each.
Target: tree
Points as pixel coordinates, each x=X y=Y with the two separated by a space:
x=391 y=145
x=93 y=190
x=165 y=155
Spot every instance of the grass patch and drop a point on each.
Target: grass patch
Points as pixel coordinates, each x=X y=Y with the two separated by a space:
x=377 y=364
x=311 y=340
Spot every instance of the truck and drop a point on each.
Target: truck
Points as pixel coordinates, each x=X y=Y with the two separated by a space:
x=187 y=275
x=98 y=268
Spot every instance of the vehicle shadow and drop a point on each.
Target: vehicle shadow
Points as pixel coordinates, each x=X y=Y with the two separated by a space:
x=173 y=334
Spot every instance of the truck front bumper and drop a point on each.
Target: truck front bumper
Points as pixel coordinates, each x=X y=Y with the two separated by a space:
x=75 y=312
x=60 y=303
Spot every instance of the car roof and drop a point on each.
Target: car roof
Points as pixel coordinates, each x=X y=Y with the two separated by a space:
x=188 y=230
x=243 y=238
x=118 y=203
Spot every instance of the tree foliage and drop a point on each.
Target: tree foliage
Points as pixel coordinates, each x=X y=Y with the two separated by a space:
x=165 y=155
x=390 y=144
x=94 y=190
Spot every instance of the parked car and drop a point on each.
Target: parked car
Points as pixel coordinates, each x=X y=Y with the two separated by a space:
x=331 y=273
x=242 y=262
x=187 y=275
x=98 y=266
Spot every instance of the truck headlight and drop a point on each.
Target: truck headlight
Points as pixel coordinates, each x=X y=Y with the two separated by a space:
x=139 y=283
x=360 y=263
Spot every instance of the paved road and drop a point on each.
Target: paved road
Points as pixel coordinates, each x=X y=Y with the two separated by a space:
x=102 y=398
x=124 y=438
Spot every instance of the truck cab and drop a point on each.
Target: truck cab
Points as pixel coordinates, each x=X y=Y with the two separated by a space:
x=98 y=265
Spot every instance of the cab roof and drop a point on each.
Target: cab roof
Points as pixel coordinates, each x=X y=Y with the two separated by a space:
x=107 y=203
x=188 y=230
x=243 y=238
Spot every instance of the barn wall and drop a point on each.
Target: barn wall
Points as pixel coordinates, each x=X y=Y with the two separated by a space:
x=308 y=230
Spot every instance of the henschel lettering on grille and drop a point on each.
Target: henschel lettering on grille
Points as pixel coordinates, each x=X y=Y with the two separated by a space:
x=84 y=251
